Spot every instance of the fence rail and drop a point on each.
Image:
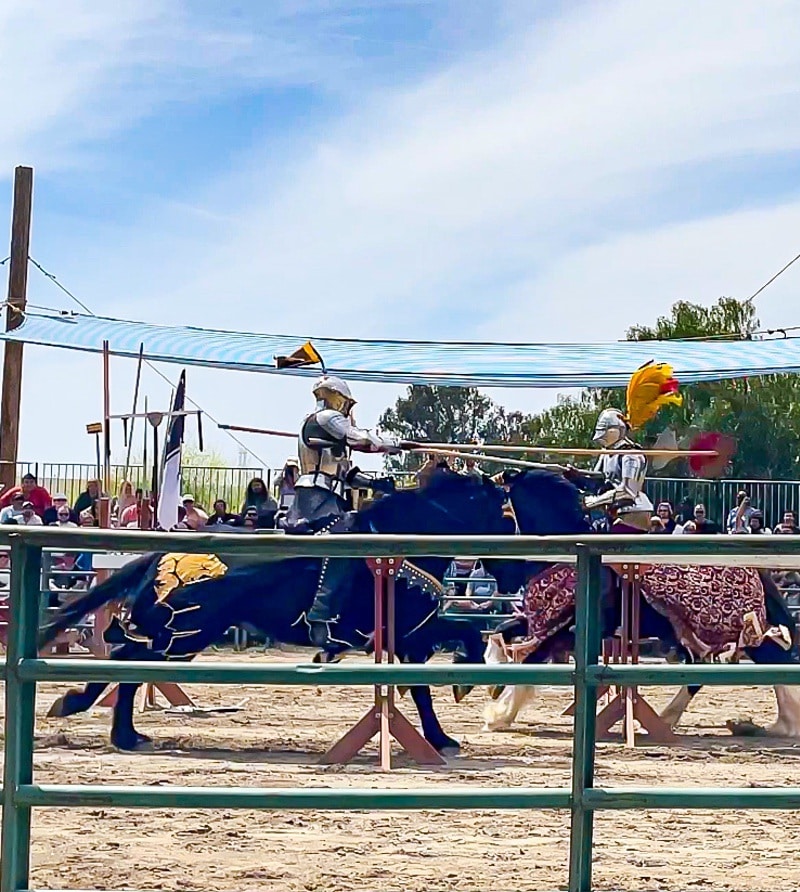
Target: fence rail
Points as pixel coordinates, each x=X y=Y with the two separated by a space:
x=23 y=670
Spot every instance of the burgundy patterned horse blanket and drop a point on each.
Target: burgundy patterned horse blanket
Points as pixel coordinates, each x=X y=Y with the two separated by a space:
x=714 y=610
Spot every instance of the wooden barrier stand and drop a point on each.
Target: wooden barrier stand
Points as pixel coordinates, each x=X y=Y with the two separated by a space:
x=383 y=717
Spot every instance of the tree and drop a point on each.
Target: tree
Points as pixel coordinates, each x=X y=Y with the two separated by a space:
x=447 y=415
x=762 y=413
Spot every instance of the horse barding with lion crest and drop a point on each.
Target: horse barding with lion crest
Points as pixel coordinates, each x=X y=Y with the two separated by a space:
x=698 y=613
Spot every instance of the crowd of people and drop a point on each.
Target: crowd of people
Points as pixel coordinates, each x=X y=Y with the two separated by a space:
x=31 y=504
x=744 y=518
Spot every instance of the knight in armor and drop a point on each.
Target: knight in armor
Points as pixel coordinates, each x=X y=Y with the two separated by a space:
x=322 y=491
x=624 y=473
x=651 y=387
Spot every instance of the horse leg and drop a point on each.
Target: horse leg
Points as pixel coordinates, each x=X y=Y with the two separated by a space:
x=82 y=699
x=123 y=734
x=787 y=723
x=431 y=728
x=674 y=710
x=77 y=700
x=502 y=710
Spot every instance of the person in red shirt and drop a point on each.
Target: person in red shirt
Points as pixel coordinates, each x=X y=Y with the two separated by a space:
x=37 y=495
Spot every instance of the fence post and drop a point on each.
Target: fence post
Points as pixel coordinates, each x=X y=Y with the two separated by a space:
x=20 y=701
x=587 y=648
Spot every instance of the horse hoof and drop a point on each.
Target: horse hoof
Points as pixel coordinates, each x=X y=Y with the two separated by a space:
x=745 y=729
x=449 y=747
x=64 y=706
x=132 y=743
x=58 y=709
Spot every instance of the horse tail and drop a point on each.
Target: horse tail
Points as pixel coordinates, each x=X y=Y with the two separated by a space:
x=115 y=587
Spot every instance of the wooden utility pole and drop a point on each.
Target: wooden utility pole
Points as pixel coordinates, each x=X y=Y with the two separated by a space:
x=11 y=400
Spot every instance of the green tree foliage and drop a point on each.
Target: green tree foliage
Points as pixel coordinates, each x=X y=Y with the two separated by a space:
x=763 y=413
x=447 y=415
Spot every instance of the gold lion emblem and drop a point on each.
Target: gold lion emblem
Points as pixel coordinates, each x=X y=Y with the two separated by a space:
x=176 y=570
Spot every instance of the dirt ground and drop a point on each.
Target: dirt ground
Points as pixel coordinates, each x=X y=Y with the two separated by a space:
x=277 y=737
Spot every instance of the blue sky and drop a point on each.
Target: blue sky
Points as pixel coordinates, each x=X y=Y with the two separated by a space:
x=455 y=170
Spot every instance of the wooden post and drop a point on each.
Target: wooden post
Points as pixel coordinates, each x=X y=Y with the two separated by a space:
x=11 y=401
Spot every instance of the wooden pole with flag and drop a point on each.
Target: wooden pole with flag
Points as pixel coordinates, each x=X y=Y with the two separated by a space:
x=169 y=495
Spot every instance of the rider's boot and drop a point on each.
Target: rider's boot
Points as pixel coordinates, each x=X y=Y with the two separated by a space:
x=322 y=614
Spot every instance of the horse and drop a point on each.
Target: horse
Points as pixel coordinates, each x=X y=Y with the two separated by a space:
x=546 y=503
x=176 y=605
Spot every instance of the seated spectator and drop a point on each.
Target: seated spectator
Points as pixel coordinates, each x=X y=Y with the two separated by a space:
x=258 y=496
x=87 y=500
x=221 y=514
x=63 y=517
x=666 y=516
x=738 y=516
x=701 y=522
x=13 y=511
x=689 y=528
x=29 y=517
x=481 y=586
x=249 y=518
x=60 y=501
x=195 y=516
x=129 y=517
x=87 y=519
x=656 y=525
x=125 y=498
x=471 y=468
x=756 y=524
x=37 y=495
x=788 y=527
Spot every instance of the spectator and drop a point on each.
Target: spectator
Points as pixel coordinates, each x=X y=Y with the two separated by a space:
x=87 y=519
x=286 y=481
x=789 y=524
x=60 y=501
x=481 y=585
x=665 y=515
x=249 y=519
x=63 y=517
x=738 y=516
x=471 y=468
x=195 y=516
x=657 y=525
x=685 y=510
x=129 y=517
x=689 y=528
x=11 y=513
x=37 y=495
x=258 y=497
x=426 y=470
x=701 y=522
x=29 y=517
x=87 y=500
x=756 y=525
x=221 y=514
x=125 y=498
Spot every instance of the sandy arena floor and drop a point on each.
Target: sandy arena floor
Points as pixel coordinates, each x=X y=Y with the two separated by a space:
x=276 y=740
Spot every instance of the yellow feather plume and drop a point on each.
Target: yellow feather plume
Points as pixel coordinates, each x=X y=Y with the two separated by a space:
x=651 y=387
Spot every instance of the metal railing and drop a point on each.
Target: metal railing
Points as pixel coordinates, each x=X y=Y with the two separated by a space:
x=23 y=670
x=773 y=497
x=205 y=483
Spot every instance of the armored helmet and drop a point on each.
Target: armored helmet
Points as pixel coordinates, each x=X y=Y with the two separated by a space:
x=610 y=428
x=334 y=393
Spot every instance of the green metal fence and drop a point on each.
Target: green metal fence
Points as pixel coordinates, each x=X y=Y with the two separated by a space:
x=23 y=670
